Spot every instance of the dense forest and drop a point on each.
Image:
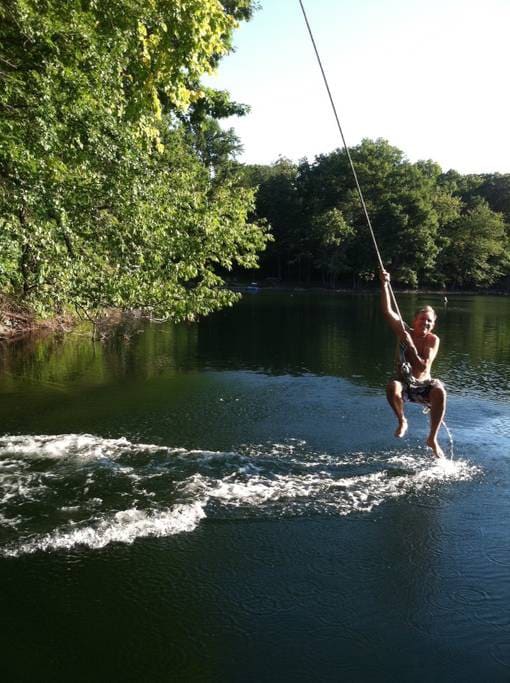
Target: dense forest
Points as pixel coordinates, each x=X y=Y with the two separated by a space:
x=120 y=189
x=434 y=229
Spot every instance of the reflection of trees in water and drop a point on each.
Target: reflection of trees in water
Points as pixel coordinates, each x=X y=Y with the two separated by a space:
x=489 y=332
x=280 y=333
x=476 y=345
x=132 y=349
x=151 y=350
x=344 y=335
x=51 y=360
x=322 y=333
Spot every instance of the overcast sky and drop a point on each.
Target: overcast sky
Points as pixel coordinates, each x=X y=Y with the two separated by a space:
x=430 y=76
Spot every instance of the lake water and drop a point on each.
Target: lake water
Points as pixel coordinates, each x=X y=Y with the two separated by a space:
x=226 y=501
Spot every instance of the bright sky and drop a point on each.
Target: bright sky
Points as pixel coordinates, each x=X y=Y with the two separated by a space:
x=430 y=76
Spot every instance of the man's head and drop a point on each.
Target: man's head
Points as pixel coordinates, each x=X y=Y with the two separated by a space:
x=424 y=320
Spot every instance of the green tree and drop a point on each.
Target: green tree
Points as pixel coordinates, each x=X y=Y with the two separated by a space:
x=477 y=251
x=493 y=187
x=329 y=231
x=406 y=203
x=278 y=203
x=104 y=201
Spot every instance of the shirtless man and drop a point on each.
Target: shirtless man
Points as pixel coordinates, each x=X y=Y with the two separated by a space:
x=417 y=349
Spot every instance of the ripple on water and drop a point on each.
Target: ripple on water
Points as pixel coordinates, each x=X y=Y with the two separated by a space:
x=441 y=623
x=500 y=652
x=498 y=555
x=455 y=593
x=115 y=491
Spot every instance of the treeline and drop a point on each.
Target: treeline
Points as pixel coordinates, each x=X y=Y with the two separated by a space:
x=433 y=228
x=117 y=187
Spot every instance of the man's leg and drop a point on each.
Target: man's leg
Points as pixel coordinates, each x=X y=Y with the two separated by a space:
x=394 y=396
x=437 y=398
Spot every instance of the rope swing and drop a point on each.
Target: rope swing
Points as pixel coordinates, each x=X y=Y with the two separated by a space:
x=358 y=187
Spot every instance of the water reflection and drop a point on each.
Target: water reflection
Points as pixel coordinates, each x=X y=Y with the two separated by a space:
x=340 y=335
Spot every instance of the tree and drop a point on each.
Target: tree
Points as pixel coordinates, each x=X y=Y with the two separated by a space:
x=278 y=202
x=495 y=189
x=405 y=201
x=330 y=231
x=477 y=251
x=104 y=201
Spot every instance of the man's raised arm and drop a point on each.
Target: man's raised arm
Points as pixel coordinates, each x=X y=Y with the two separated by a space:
x=391 y=316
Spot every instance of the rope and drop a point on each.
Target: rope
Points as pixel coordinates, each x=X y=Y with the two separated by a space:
x=358 y=187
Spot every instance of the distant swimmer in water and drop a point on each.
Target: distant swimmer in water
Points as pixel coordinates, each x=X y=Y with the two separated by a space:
x=416 y=351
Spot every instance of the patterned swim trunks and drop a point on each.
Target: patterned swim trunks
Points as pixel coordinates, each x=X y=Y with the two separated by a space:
x=419 y=392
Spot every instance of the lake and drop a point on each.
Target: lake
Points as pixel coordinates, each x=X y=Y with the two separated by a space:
x=225 y=501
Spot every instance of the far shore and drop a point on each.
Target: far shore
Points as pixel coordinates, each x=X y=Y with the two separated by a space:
x=300 y=287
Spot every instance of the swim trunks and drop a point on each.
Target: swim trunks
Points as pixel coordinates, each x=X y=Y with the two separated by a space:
x=418 y=391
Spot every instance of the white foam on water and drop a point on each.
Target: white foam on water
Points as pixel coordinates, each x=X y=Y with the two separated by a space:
x=272 y=479
x=345 y=494
x=10 y=522
x=122 y=527
x=16 y=486
x=438 y=469
x=74 y=445
x=210 y=457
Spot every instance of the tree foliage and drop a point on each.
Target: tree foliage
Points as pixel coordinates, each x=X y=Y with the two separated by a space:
x=107 y=197
x=477 y=248
x=279 y=203
x=432 y=228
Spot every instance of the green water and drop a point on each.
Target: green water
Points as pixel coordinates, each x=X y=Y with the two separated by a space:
x=226 y=502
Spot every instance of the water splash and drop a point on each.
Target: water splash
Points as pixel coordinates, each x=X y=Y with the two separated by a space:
x=450 y=437
x=426 y=411
x=122 y=527
x=79 y=490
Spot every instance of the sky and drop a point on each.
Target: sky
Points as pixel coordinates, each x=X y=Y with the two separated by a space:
x=429 y=76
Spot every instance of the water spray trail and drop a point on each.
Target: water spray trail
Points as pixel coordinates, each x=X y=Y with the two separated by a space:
x=67 y=491
x=450 y=438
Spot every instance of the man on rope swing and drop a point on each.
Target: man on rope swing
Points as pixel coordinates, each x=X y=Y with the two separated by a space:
x=417 y=350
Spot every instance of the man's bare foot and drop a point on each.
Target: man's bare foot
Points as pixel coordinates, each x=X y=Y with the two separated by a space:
x=401 y=429
x=438 y=451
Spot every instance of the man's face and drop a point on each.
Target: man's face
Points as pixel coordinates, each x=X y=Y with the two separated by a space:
x=423 y=323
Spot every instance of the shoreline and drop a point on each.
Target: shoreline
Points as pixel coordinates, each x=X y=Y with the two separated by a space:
x=17 y=323
x=295 y=287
